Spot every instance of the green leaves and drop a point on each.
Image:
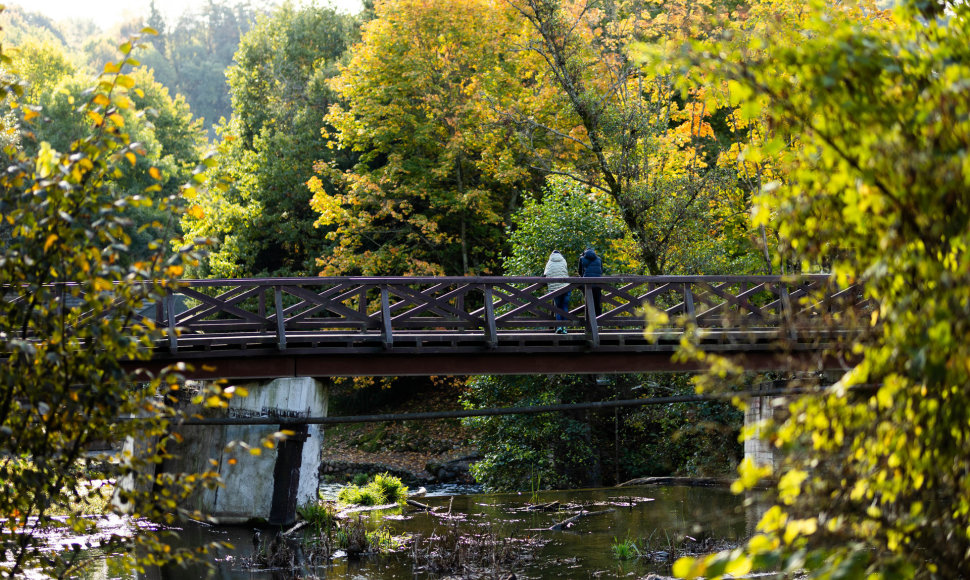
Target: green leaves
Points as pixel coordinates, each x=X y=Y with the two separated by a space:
x=69 y=319
x=569 y=219
x=434 y=180
x=873 y=191
x=268 y=149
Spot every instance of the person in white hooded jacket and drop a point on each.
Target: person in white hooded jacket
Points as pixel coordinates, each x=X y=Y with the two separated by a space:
x=556 y=267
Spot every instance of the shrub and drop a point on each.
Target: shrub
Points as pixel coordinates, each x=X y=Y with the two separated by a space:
x=392 y=488
x=357 y=495
x=385 y=488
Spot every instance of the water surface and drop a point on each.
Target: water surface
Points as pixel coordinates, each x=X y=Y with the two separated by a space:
x=583 y=550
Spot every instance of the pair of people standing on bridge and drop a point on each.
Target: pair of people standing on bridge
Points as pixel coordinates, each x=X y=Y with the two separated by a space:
x=590 y=265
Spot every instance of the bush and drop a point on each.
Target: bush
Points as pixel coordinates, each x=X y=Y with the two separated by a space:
x=392 y=488
x=385 y=488
x=357 y=495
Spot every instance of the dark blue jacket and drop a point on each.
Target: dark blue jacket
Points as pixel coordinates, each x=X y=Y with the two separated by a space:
x=590 y=264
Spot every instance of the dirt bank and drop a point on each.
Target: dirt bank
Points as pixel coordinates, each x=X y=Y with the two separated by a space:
x=419 y=452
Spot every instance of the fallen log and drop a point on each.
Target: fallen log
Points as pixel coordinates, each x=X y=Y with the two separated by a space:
x=688 y=481
x=544 y=507
x=369 y=508
x=570 y=521
x=419 y=505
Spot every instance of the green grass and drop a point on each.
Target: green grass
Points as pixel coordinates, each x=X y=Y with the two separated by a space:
x=319 y=515
x=364 y=496
x=391 y=487
x=625 y=550
x=385 y=488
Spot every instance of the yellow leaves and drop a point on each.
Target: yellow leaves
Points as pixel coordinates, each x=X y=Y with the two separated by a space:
x=196 y=212
x=789 y=486
x=688 y=568
x=126 y=82
x=749 y=474
x=860 y=490
x=738 y=92
x=174 y=270
x=760 y=215
x=155 y=173
x=235 y=391
x=734 y=563
x=799 y=528
x=739 y=566
x=761 y=544
x=101 y=285
x=773 y=520
x=50 y=241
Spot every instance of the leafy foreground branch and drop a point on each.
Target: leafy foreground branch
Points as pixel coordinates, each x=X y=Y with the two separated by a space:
x=69 y=318
x=874 y=482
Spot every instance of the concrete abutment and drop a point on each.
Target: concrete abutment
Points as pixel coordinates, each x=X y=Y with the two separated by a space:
x=268 y=486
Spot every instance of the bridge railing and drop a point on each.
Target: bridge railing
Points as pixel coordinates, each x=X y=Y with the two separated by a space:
x=281 y=311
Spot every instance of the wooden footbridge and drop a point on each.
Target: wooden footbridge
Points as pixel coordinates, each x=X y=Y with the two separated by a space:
x=318 y=327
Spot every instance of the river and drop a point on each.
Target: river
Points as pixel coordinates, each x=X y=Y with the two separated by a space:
x=656 y=519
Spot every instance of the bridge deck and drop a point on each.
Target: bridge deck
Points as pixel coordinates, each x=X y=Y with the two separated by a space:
x=495 y=325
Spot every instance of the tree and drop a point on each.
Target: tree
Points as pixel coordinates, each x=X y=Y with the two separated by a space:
x=629 y=134
x=168 y=138
x=874 y=482
x=531 y=452
x=434 y=182
x=263 y=221
x=568 y=219
x=68 y=323
x=199 y=49
x=591 y=448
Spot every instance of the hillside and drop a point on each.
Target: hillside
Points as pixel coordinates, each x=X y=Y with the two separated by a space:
x=405 y=448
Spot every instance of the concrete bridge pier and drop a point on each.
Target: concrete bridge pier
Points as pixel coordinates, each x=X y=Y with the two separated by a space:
x=756 y=448
x=271 y=485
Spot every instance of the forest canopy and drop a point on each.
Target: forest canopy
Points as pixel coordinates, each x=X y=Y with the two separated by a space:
x=472 y=137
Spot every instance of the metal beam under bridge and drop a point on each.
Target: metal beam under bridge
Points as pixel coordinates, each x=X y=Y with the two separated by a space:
x=391 y=364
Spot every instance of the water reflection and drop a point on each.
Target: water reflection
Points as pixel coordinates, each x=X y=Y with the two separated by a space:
x=583 y=550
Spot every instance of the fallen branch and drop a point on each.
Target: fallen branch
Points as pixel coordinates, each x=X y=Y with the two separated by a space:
x=419 y=505
x=570 y=521
x=544 y=507
x=688 y=481
x=370 y=508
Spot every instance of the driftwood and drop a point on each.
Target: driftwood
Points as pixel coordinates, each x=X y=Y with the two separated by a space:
x=688 y=481
x=544 y=507
x=570 y=521
x=365 y=508
x=299 y=525
x=419 y=505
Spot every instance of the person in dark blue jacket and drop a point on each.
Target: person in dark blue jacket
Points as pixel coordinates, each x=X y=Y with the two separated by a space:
x=590 y=265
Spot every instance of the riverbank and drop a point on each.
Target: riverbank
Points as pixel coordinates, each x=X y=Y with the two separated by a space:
x=419 y=452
